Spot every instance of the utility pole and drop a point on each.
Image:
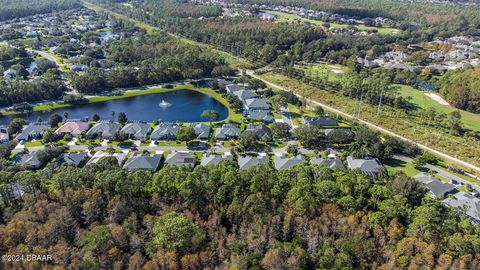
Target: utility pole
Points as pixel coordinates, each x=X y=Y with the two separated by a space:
x=360 y=105
x=380 y=101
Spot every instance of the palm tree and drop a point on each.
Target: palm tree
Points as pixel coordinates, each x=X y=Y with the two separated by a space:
x=65 y=115
x=112 y=113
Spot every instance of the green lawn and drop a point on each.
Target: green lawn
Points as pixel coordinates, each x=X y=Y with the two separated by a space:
x=471 y=120
x=333 y=70
x=33 y=143
x=171 y=143
x=284 y=17
x=394 y=165
x=297 y=114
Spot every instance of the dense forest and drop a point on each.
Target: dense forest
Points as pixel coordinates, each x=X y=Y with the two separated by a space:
x=149 y=59
x=461 y=88
x=306 y=217
x=46 y=87
x=12 y=9
x=446 y=19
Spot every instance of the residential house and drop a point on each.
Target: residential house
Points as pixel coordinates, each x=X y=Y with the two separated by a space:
x=243 y=95
x=101 y=154
x=33 y=131
x=397 y=56
x=319 y=121
x=227 y=132
x=181 y=159
x=437 y=188
x=141 y=161
x=4 y=134
x=29 y=160
x=262 y=131
x=247 y=161
x=370 y=167
x=73 y=158
x=367 y=63
x=165 y=131
x=331 y=162
x=208 y=159
x=201 y=130
x=267 y=16
x=467 y=204
x=259 y=115
x=78 y=67
x=398 y=66
x=73 y=128
x=137 y=130
x=223 y=83
x=256 y=104
x=9 y=73
x=232 y=88
x=104 y=129
x=282 y=163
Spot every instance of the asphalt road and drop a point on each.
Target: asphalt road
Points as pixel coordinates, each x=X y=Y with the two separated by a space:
x=440 y=172
x=436 y=152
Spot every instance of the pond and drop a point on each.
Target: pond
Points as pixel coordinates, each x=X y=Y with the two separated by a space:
x=186 y=106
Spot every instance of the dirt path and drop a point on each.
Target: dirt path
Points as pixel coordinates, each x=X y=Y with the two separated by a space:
x=437 y=98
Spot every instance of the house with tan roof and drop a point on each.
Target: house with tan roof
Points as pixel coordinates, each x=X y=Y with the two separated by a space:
x=73 y=128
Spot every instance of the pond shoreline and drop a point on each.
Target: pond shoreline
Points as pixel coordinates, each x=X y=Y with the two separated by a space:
x=129 y=93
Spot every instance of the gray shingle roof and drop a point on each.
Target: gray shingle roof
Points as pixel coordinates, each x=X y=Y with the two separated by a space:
x=244 y=94
x=437 y=188
x=287 y=162
x=180 y=158
x=319 y=121
x=231 y=88
x=30 y=160
x=469 y=204
x=214 y=159
x=72 y=158
x=202 y=130
x=332 y=163
x=260 y=130
x=245 y=162
x=140 y=161
x=263 y=115
x=104 y=129
x=32 y=131
x=165 y=131
x=227 y=131
x=137 y=129
x=370 y=167
x=256 y=104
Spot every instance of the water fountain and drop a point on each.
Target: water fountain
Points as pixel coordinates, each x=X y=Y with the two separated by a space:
x=164 y=104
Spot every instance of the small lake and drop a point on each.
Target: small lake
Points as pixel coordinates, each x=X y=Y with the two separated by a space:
x=186 y=106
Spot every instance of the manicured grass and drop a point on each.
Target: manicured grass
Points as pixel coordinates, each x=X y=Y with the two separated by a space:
x=297 y=114
x=471 y=120
x=277 y=144
x=171 y=143
x=284 y=17
x=333 y=70
x=33 y=143
x=393 y=165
